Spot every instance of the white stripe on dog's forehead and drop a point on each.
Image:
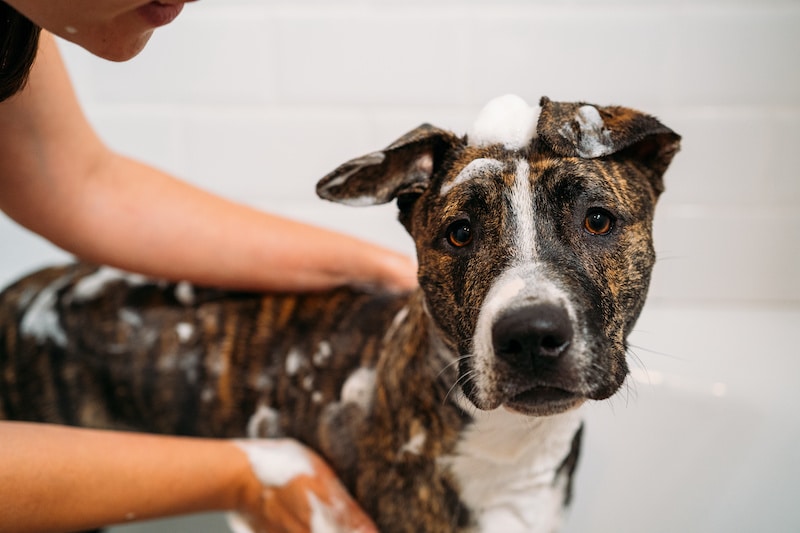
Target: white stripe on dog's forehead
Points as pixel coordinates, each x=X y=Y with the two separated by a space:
x=524 y=232
x=506 y=120
x=477 y=167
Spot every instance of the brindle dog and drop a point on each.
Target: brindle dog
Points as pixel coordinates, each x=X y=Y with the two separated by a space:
x=452 y=408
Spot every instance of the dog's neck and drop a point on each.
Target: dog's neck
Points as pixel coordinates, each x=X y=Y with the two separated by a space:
x=513 y=470
x=510 y=467
x=415 y=353
x=414 y=343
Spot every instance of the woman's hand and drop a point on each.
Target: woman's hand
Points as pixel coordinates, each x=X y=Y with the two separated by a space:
x=293 y=491
x=87 y=478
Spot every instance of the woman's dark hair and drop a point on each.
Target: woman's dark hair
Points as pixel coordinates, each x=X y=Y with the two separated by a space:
x=19 y=40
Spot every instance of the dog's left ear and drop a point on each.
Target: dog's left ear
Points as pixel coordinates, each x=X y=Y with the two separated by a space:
x=404 y=168
x=589 y=131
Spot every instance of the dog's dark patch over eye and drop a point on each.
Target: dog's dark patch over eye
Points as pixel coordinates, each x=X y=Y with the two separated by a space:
x=598 y=221
x=460 y=233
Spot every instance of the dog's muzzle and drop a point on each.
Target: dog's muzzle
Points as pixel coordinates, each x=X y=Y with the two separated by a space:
x=533 y=338
x=534 y=343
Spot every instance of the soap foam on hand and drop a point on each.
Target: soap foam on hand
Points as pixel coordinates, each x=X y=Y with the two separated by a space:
x=277 y=463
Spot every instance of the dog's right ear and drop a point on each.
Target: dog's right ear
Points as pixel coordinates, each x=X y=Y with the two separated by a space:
x=588 y=131
x=403 y=169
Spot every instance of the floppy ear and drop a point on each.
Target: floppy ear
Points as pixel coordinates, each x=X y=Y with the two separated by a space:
x=589 y=131
x=404 y=167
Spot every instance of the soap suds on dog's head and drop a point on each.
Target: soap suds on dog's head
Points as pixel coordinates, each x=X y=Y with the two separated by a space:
x=506 y=120
x=593 y=138
x=477 y=167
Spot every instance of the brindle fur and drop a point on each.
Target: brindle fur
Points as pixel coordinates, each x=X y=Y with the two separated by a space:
x=134 y=374
x=124 y=362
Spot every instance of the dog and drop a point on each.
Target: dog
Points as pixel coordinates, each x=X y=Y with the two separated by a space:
x=454 y=407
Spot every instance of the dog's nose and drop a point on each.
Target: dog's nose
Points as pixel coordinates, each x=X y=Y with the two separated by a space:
x=538 y=333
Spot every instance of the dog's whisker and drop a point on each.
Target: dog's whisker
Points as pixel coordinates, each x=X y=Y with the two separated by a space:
x=635 y=358
x=464 y=378
x=613 y=406
x=671 y=257
x=452 y=363
x=630 y=391
x=656 y=352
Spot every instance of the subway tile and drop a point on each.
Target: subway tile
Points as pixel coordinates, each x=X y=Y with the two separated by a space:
x=735 y=56
x=150 y=134
x=30 y=252
x=783 y=173
x=723 y=158
x=598 y=56
x=209 y=57
x=360 y=57
x=721 y=254
x=79 y=64
x=377 y=224
x=389 y=124
x=272 y=157
x=569 y=4
x=257 y=99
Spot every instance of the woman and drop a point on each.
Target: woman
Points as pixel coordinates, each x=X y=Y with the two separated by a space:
x=59 y=180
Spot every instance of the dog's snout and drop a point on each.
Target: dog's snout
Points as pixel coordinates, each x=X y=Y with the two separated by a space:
x=533 y=334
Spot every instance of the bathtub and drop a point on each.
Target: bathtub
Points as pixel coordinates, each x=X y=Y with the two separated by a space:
x=706 y=435
x=703 y=438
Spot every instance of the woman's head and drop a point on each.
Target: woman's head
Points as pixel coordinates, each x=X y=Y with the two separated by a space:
x=112 y=29
x=19 y=39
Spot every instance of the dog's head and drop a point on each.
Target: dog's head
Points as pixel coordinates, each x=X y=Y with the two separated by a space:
x=533 y=238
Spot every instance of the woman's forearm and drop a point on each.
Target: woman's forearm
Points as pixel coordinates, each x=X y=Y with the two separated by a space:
x=134 y=217
x=58 y=478
x=55 y=478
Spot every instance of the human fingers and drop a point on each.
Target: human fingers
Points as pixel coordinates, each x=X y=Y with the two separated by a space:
x=299 y=492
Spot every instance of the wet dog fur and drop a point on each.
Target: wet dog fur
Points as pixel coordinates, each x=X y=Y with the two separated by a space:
x=451 y=408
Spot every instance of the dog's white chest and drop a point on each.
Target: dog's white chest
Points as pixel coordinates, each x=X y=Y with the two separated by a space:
x=506 y=465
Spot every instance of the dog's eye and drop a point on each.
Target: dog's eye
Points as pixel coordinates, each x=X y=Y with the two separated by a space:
x=598 y=221
x=459 y=234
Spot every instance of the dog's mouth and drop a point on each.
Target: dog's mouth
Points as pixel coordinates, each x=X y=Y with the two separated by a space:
x=542 y=400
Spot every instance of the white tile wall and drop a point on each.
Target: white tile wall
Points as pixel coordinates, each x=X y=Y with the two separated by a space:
x=257 y=99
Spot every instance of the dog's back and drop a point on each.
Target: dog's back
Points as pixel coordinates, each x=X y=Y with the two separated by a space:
x=96 y=347
x=113 y=350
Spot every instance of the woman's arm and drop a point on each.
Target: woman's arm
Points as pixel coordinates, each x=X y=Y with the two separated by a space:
x=59 y=180
x=56 y=478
